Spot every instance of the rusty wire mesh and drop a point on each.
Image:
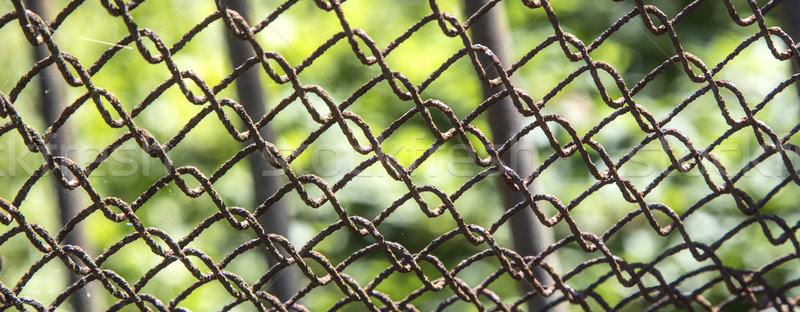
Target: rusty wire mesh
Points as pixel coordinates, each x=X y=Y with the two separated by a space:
x=645 y=280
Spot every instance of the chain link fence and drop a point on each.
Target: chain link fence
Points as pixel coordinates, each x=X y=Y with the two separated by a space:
x=657 y=255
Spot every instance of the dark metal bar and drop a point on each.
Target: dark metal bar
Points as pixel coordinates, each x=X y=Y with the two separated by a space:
x=530 y=237
x=52 y=102
x=251 y=96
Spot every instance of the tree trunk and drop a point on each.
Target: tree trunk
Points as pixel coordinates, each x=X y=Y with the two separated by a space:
x=251 y=96
x=790 y=13
x=52 y=102
x=530 y=237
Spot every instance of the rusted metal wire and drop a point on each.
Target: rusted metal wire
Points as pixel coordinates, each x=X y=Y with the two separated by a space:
x=646 y=281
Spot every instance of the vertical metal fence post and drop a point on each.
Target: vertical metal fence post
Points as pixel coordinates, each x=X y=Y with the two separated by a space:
x=530 y=237
x=52 y=99
x=251 y=96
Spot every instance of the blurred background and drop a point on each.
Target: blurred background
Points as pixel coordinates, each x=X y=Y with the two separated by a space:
x=708 y=32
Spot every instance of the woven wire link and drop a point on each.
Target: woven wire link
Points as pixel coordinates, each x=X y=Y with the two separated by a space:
x=646 y=281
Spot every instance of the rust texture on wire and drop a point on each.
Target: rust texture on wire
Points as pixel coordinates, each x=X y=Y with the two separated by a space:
x=644 y=279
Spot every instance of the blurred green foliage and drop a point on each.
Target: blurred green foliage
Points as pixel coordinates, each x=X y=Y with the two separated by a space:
x=633 y=51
